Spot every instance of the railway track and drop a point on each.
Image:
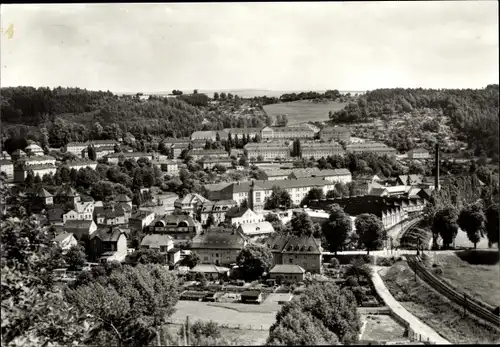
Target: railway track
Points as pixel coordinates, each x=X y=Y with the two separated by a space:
x=473 y=306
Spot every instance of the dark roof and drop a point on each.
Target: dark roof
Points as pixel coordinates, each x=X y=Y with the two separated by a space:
x=79 y=228
x=218 y=238
x=109 y=234
x=173 y=250
x=251 y=293
x=123 y=198
x=55 y=214
x=294 y=244
x=67 y=191
x=236 y=211
x=287 y=269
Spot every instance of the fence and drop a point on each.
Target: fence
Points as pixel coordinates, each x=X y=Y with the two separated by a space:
x=226 y=325
x=472 y=305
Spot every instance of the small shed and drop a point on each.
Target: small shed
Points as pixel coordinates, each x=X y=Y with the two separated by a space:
x=251 y=297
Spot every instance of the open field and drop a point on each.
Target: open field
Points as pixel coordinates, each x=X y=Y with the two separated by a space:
x=435 y=310
x=240 y=337
x=303 y=110
x=381 y=328
x=479 y=281
x=206 y=311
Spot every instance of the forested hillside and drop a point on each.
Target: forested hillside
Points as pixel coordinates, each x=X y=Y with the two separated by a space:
x=57 y=116
x=472 y=113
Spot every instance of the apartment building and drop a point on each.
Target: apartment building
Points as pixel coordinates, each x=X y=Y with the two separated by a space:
x=208 y=153
x=34 y=149
x=81 y=211
x=115 y=158
x=267 y=150
x=256 y=192
x=210 y=163
x=275 y=174
x=238 y=216
x=217 y=209
x=208 y=135
x=371 y=147
x=38 y=160
x=190 y=203
x=320 y=150
x=21 y=171
x=177 y=149
x=340 y=134
x=82 y=164
x=300 y=132
x=76 y=148
x=332 y=175
x=252 y=132
x=103 y=151
x=170 y=166
x=103 y=143
x=181 y=228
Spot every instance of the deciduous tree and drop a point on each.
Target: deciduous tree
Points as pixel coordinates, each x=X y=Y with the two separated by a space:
x=337 y=229
x=255 y=259
x=371 y=231
x=472 y=220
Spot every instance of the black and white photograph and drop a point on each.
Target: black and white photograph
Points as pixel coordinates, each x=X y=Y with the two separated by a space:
x=249 y=173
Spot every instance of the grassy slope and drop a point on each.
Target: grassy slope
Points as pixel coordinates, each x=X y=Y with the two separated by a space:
x=435 y=310
x=480 y=281
x=303 y=110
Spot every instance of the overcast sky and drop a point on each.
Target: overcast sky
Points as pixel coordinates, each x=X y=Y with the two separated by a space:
x=275 y=46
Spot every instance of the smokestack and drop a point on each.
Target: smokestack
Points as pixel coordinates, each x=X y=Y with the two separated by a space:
x=436 y=177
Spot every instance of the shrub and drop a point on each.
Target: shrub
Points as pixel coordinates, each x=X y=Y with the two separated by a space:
x=385 y=261
x=351 y=281
x=358 y=294
x=435 y=265
x=334 y=263
x=438 y=271
x=479 y=257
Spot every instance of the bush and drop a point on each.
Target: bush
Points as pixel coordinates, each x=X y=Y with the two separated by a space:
x=334 y=263
x=351 y=281
x=438 y=271
x=385 y=261
x=358 y=294
x=435 y=265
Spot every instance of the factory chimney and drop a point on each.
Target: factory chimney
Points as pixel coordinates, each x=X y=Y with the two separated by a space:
x=436 y=177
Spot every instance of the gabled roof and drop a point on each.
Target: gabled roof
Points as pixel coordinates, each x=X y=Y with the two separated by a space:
x=141 y=214
x=67 y=191
x=123 y=198
x=209 y=268
x=218 y=206
x=156 y=240
x=236 y=212
x=191 y=197
x=109 y=234
x=63 y=236
x=294 y=244
x=218 y=238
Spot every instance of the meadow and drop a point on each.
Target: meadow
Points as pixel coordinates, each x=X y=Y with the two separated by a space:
x=303 y=110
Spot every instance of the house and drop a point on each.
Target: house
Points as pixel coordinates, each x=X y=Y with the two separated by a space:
x=108 y=244
x=7 y=166
x=124 y=199
x=217 y=209
x=81 y=229
x=181 y=228
x=141 y=219
x=103 y=143
x=169 y=166
x=160 y=242
x=55 y=216
x=253 y=230
x=236 y=152
x=209 y=135
x=320 y=150
x=189 y=203
x=116 y=214
x=169 y=141
x=66 y=195
x=212 y=272
x=5 y=156
x=340 y=134
x=251 y=297
x=418 y=153
x=65 y=241
x=218 y=246
x=287 y=272
x=305 y=251
x=34 y=149
x=267 y=151
x=81 y=211
x=210 y=163
x=41 y=199
x=213 y=191
x=409 y=179
x=256 y=192
x=17 y=154
x=178 y=148
x=237 y=216
x=299 y=132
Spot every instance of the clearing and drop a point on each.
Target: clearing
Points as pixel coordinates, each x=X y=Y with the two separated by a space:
x=233 y=315
x=381 y=328
x=303 y=110
x=239 y=337
x=479 y=281
x=434 y=309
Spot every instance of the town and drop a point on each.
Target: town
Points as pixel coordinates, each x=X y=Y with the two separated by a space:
x=198 y=218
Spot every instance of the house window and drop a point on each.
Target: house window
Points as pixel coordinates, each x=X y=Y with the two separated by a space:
x=290 y=260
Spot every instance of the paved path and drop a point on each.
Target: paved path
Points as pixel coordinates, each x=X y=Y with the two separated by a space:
x=416 y=325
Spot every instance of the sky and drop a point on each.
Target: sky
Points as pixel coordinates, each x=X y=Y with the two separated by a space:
x=270 y=46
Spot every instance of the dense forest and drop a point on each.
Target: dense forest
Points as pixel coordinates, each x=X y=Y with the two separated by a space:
x=60 y=115
x=473 y=113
